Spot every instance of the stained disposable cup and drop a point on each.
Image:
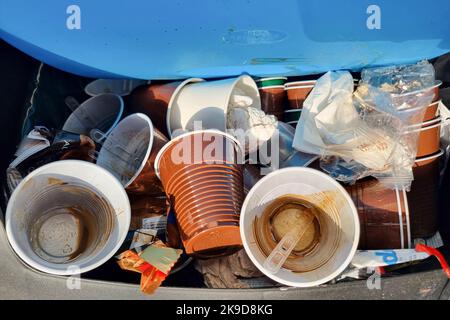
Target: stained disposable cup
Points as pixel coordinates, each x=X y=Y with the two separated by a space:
x=67 y=217
x=101 y=112
x=129 y=153
x=339 y=226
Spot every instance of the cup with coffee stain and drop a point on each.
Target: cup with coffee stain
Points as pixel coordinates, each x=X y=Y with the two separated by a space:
x=299 y=227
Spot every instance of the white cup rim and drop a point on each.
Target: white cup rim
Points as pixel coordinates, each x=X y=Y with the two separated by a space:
x=174 y=97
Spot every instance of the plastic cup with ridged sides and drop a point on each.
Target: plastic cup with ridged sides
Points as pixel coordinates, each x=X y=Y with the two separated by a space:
x=67 y=217
x=203 y=179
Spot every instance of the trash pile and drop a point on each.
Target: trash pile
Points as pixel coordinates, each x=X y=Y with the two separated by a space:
x=256 y=181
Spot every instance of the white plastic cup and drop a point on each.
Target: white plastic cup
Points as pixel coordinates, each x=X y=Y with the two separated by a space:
x=121 y=87
x=129 y=153
x=303 y=181
x=208 y=102
x=55 y=242
x=101 y=112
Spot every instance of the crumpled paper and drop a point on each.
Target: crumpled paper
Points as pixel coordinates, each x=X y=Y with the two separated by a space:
x=42 y=146
x=249 y=123
x=228 y=271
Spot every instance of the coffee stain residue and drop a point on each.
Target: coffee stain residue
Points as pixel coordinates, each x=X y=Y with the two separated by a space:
x=316 y=218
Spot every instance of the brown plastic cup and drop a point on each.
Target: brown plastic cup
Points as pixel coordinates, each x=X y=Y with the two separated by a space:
x=153 y=101
x=378 y=209
x=203 y=183
x=273 y=99
x=423 y=197
x=432 y=111
x=185 y=200
x=203 y=180
x=199 y=147
x=200 y=184
x=208 y=221
x=297 y=95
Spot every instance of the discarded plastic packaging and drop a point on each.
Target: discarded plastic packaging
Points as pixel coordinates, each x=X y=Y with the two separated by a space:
x=148 y=213
x=287 y=156
x=383 y=258
x=42 y=146
x=368 y=136
x=154 y=263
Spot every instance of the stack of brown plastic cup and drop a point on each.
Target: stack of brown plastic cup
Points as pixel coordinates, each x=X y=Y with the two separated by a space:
x=203 y=180
x=381 y=213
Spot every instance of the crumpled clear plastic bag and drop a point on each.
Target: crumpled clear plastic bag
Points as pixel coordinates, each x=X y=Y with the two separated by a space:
x=367 y=133
x=403 y=92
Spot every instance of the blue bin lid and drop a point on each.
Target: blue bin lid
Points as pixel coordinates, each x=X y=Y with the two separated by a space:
x=167 y=39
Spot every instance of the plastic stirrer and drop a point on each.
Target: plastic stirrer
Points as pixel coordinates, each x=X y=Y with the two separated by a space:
x=283 y=249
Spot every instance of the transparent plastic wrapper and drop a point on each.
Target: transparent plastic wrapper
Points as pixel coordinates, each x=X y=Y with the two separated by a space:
x=400 y=79
x=371 y=132
x=400 y=95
